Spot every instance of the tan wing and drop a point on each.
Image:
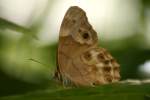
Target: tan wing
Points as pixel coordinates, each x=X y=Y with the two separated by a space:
x=80 y=61
x=102 y=66
x=76 y=25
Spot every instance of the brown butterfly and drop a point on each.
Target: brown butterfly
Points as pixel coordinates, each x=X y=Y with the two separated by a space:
x=80 y=61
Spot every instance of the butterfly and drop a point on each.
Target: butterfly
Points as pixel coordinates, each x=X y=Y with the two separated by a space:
x=80 y=61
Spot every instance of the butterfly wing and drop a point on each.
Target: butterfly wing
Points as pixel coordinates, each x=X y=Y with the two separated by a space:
x=80 y=61
x=102 y=67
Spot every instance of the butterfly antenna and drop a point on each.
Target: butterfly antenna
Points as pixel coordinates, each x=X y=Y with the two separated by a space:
x=31 y=59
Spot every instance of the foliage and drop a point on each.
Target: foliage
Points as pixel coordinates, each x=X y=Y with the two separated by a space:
x=105 y=92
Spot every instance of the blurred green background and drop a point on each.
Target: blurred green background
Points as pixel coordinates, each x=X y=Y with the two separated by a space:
x=29 y=32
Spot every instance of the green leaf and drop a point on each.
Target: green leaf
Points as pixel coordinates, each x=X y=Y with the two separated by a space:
x=104 y=92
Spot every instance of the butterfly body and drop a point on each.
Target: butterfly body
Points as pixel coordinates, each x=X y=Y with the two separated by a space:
x=80 y=61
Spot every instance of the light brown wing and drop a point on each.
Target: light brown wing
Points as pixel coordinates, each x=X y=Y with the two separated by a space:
x=80 y=61
x=76 y=25
x=102 y=66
